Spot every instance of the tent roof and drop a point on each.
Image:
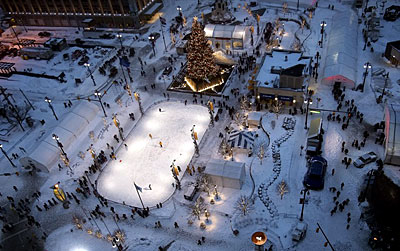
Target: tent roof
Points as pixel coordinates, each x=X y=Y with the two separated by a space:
x=254 y=115
x=393 y=137
x=342 y=46
x=225 y=31
x=223 y=168
x=315 y=127
x=241 y=139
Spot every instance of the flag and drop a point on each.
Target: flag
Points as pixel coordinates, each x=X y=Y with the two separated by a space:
x=163 y=21
x=124 y=61
x=138 y=188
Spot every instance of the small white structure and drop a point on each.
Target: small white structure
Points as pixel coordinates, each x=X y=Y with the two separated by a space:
x=227 y=37
x=46 y=153
x=226 y=173
x=254 y=119
x=392 y=134
x=341 y=61
x=241 y=141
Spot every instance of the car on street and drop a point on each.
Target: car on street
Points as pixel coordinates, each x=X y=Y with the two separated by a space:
x=315 y=175
x=365 y=159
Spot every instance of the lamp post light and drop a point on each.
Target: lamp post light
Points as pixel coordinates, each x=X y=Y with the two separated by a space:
x=5 y=154
x=60 y=145
x=367 y=66
x=308 y=101
x=304 y=192
x=90 y=72
x=178 y=8
x=119 y=36
x=16 y=36
x=195 y=138
x=98 y=95
x=323 y=24
x=138 y=99
x=384 y=87
x=152 y=41
x=51 y=106
x=206 y=214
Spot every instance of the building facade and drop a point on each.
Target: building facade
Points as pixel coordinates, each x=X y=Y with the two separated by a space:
x=105 y=13
x=392 y=52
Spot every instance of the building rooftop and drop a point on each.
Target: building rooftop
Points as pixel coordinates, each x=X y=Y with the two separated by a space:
x=280 y=62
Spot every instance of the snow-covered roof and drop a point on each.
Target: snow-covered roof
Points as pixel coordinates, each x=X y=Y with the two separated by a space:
x=46 y=153
x=254 y=116
x=392 y=118
x=241 y=139
x=342 y=46
x=225 y=31
x=277 y=60
x=223 y=168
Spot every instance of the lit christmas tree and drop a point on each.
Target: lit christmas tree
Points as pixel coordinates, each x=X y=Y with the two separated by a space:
x=201 y=65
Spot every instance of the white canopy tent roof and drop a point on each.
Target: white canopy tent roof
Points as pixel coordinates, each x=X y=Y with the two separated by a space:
x=392 y=133
x=241 y=140
x=226 y=173
x=341 y=57
x=46 y=153
x=225 y=31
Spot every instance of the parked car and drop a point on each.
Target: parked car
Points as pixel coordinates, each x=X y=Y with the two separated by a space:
x=365 y=159
x=314 y=177
x=44 y=34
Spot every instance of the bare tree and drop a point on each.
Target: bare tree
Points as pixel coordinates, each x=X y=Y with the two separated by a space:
x=198 y=207
x=244 y=204
x=204 y=182
x=277 y=107
x=282 y=188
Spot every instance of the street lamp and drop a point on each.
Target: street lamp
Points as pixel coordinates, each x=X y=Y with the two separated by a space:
x=308 y=101
x=323 y=24
x=367 y=66
x=152 y=40
x=90 y=72
x=380 y=98
x=119 y=36
x=178 y=8
x=98 y=95
x=51 y=106
x=60 y=145
x=304 y=192
x=138 y=99
x=5 y=154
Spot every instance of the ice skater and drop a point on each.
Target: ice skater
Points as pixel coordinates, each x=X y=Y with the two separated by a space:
x=160 y=143
x=150 y=136
x=150 y=187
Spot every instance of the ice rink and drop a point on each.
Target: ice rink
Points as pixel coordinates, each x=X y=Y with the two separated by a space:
x=145 y=162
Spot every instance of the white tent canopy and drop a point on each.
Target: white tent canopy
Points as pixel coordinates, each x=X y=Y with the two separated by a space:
x=46 y=153
x=226 y=173
x=254 y=118
x=341 y=60
x=241 y=140
x=392 y=133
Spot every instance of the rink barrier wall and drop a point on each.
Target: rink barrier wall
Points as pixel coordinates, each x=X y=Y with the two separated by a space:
x=126 y=136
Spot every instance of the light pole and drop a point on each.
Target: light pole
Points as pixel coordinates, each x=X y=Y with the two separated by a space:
x=16 y=36
x=98 y=95
x=152 y=41
x=90 y=72
x=304 y=192
x=195 y=138
x=178 y=8
x=326 y=237
x=323 y=24
x=367 y=66
x=119 y=36
x=5 y=154
x=51 y=106
x=138 y=99
x=298 y=4
x=308 y=101
x=60 y=145
x=384 y=87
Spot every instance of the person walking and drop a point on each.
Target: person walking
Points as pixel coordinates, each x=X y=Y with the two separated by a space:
x=150 y=136
x=160 y=143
